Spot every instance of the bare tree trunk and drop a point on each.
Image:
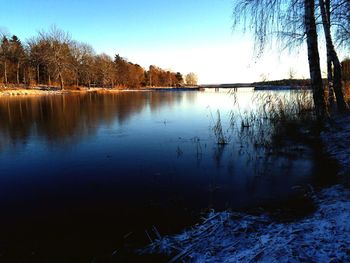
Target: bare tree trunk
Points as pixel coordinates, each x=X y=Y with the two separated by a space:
x=5 y=72
x=314 y=59
x=331 y=98
x=332 y=57
x=17 y=73
x=61 y=81
x=27 y=77
x=338 y=87
x=37 y=74
x=24 y=76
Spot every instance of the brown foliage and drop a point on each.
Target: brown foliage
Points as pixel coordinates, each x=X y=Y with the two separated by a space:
x=52 y=58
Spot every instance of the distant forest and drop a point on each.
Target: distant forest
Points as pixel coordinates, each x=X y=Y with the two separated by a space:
x=52 y=58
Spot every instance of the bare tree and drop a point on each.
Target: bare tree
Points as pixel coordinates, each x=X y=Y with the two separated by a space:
x=105 y=70
x=280 y=21
x=333 y=64
x=82 y=62
x=59 y=56
x=314 y=58
x=35 y=56
x=340 y=21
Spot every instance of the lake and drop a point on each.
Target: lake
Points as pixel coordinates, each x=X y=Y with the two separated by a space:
x=84 y=176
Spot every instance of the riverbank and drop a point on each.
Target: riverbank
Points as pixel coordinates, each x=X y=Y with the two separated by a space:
x=27 y=92
x=323 y=236
x=37 y=91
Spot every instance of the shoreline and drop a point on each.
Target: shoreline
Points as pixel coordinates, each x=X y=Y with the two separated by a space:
x=16 y=92
x=228 y=236
x=39 y=91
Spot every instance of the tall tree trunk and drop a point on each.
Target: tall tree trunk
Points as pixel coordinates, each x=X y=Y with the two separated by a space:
x=27 y=77
x=24 y=76
x=338 y=87
x=37 y=74
x=5 y=71
x=61 y=81
x=332 y=57
x=17 y=73
x=314 y=59
x=331 y=97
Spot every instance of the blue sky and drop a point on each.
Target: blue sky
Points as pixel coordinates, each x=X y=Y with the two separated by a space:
x=183 y=35
x=122 y=20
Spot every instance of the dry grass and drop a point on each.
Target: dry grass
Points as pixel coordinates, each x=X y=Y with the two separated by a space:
x=24 y=92
x=219 y=132
x=35 y=91
x=276 y=118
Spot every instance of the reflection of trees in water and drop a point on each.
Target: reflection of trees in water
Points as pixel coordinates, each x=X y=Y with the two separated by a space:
x=160 y=99
x=75 y=115
x=190 y=96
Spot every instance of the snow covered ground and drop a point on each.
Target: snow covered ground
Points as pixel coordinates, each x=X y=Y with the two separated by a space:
x=323 y=236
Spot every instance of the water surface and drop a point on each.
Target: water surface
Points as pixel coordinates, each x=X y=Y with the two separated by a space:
x=83 y=175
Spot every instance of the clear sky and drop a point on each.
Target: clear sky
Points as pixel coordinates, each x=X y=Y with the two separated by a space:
x=182 y=35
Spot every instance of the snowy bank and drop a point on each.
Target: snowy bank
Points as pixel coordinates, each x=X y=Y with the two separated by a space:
x=236 y=237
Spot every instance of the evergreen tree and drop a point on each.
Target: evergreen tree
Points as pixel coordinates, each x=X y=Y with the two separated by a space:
x=17 y=55
x=5 y=55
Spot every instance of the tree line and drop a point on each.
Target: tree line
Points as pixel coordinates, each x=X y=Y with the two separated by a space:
x=292 y=22
x=53 y=58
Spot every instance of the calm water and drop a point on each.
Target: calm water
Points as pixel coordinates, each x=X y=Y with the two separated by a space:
x=84 y=175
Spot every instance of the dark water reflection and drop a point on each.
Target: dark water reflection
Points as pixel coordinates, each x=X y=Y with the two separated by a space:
x=57 y=118
x=83 y=175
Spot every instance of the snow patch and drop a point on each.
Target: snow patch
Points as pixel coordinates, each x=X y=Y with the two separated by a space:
x=237 y=237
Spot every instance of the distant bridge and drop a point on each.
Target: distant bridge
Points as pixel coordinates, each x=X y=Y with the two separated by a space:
x=255 y=86
x=229 y=86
